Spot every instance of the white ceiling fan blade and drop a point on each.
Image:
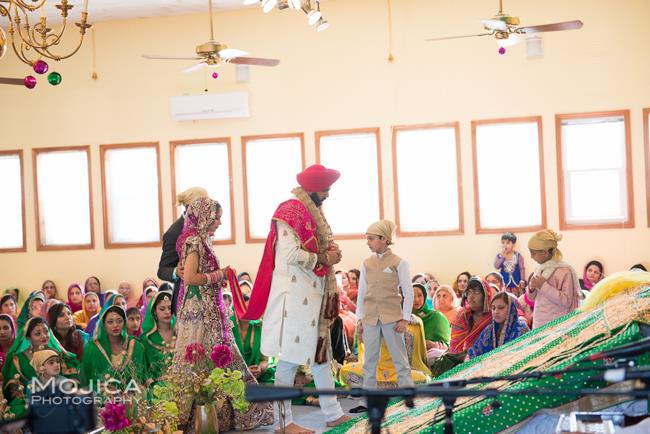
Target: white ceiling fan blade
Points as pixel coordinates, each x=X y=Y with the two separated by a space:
x=194 y=68
x=494 y=25
x=229 y=53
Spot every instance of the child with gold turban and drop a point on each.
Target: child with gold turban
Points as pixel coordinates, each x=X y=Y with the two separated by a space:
x=554 y=286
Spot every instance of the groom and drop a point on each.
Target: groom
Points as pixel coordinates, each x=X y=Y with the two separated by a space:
x=295 y=290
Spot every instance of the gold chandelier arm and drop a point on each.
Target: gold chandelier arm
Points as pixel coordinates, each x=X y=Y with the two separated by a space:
x=20 y=53
x=30 y=8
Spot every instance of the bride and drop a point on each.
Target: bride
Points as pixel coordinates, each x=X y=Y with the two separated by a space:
x=202 y=320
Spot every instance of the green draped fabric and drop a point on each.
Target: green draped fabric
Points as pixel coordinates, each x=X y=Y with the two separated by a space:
x=249 y=347
x=157 y=354
x=24 y=315
x=18 y=370
x=97 y=361
x=436 y=326
x=561 y=343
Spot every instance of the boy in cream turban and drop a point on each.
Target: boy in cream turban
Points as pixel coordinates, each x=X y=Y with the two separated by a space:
x=379 y=309
x=554 y=286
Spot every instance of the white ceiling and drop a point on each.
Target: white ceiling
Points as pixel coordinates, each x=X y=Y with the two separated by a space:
x=104 y=10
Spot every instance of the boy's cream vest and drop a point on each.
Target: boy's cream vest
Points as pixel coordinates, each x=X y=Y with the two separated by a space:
x=382 y=301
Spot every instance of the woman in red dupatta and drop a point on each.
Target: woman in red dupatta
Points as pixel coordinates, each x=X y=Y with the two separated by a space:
x=473 y=317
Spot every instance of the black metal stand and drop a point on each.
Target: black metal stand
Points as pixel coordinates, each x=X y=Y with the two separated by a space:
x=449 y=402
x=376 y=410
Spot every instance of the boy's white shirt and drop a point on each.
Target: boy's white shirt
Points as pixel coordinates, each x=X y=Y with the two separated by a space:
x=404 y=279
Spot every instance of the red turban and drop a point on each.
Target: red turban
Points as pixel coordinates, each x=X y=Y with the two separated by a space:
x=317 y=178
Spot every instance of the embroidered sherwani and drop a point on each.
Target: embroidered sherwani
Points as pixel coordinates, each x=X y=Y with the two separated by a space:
x=290 y=328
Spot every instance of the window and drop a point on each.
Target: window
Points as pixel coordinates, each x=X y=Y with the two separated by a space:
x=63 y=201
x=508 y=170
x=594 y=176
x=205 y=163
x=355 y=201
x=12 y=197
x=266 y=185
x=646 y=131
x=131 y=195
x=426 y=172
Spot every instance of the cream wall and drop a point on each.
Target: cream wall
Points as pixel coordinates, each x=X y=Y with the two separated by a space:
x=333 y=80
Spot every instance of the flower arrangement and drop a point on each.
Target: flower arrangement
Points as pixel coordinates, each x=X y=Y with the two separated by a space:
x=114 y=417
x=219 y=382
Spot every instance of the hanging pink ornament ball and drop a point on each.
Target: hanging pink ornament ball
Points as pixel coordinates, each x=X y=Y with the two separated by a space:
x=41 y=67
x=215 y=75
x=30 y=82
x=502 y=50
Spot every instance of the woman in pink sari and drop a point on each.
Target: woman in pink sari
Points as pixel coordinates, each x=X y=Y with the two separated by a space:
x=75 y=297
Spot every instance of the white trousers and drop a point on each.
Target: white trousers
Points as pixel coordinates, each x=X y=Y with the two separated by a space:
x=285 y=374
x=372 y=336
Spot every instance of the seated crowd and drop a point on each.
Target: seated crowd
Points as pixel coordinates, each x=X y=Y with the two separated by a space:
x=90 y=333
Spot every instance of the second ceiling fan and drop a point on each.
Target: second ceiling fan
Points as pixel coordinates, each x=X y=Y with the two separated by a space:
x=213 y=53
x=505 y=28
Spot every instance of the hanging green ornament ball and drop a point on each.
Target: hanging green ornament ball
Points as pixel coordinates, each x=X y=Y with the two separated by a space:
x=54 y=78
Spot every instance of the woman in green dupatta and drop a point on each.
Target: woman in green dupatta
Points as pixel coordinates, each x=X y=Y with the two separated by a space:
x=436 y=327
x=158 y=335
x=114 y=354
x=31 y=308
x=18 y=370
x=248 y=337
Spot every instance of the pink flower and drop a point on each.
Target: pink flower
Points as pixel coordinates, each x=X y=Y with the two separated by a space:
x=114 y=417
x=221 y=355
x=194 y=352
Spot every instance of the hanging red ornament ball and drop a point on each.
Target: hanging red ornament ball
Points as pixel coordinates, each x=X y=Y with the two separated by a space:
x=215 y=75
x=30 y=82
x=54 y=78
x=502 y=50
x=40 y=67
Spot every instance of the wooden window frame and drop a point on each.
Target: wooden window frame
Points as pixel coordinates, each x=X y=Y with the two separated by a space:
x=244 y=142
x=380 y=190
x=461 y=222
x=39 y=245
x=18 y=152
x=646 y=134
x=172 y=158
x=628 y=168
x=108 y=244
x=542 y=188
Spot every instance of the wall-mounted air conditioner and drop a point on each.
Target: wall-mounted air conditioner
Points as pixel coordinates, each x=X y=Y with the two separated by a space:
x=210 y=106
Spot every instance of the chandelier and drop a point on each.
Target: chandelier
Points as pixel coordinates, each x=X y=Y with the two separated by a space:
x=314 y=16
x=33 y=42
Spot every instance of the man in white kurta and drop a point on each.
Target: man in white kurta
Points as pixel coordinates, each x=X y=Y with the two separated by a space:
x=290 y=328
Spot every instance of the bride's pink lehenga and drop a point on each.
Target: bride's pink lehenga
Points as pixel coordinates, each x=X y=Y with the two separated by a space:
x=202 y=320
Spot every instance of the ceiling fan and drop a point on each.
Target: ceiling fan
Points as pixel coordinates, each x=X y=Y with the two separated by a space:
x=213 y=53
x=505 y=29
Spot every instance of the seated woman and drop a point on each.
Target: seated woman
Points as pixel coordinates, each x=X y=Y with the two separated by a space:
x=7 y=336
x=473 y=317
x=436 y=326
x=62 y=324
x=506 y=326
x=9 y=306
x=111 y=300
x=347 y=308
x=158 y=335
x=31 y=308
x=93 y=284
x=112 y=353
x=89 y=307
x=248 y=337
x=49 y=289
x=351 y=374
x=147 y=295
x=460 y=284
x=446 y=302
x=594 y=272
x=75 y=297
x=18 y=370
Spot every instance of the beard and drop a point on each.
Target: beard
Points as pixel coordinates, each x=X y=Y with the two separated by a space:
x=317 y=200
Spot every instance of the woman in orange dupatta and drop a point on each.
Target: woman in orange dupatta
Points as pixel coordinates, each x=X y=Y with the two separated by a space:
x=473 y=317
